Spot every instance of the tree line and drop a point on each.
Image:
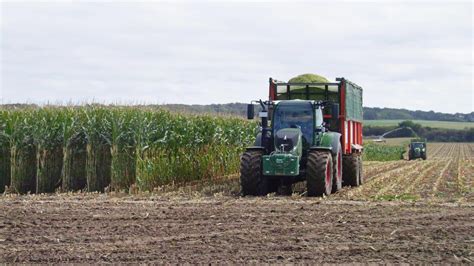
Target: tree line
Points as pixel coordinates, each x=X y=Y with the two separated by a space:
x=431 y=134
x=376 y=113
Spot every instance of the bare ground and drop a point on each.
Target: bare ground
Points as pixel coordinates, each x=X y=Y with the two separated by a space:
x=207 y=223
x=99 y=228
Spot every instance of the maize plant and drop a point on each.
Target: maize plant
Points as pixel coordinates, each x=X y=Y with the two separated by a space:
x=124 y=130
x=73 y=174
x=49 y=138
x=97 y=127
x=5 y=132
x=92 y=147
x=23 y=151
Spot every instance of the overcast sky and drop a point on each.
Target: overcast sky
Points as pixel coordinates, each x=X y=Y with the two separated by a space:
x=405 y=54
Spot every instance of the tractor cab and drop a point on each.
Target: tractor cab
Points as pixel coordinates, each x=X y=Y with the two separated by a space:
x=296 y=115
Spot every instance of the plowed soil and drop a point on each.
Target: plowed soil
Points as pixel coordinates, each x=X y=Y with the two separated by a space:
x=419 y=211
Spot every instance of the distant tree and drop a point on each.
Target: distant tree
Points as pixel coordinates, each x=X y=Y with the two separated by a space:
x=408 y=123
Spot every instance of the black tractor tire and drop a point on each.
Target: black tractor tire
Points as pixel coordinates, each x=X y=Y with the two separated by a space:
x=319 y=173
x=337 y=172
x=350 y=172
x=423 y=156
x=252 y=181
x=361 y=172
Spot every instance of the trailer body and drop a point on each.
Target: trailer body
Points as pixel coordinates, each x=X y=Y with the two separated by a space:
x=343 y=92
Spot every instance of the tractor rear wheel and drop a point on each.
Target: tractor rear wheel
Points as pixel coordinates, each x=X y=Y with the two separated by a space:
x=350 y=172
x=319 y=173
x=337 y=174
x=252 y=181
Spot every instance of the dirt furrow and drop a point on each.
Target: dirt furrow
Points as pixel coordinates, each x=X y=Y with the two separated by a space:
x=400 y=181
x=373 y=170
x=423 y=182
x=103 y=229
x=448 y=188
x=376 y=182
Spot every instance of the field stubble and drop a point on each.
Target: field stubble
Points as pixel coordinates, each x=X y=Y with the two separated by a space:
x=445 y=177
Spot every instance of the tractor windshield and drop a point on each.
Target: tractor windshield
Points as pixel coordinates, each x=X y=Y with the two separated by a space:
x=418 y=145
x=295 y=115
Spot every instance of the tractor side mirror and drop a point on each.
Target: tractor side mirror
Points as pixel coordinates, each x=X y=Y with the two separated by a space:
x=335 y=111
x=250 y=111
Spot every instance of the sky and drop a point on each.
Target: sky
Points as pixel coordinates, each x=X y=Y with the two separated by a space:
x=413 y=55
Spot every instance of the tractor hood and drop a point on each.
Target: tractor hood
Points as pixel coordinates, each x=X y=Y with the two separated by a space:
x=284 y=161
x=417 y=151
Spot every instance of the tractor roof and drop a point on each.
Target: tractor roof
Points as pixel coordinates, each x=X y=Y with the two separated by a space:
x=294 y=102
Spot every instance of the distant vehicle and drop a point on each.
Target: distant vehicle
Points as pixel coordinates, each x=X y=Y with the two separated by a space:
x=382 y=137
x=417 y=149
x=315 y=135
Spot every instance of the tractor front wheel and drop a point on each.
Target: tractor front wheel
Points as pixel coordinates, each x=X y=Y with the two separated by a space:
x=252 y=181
x=319 y=173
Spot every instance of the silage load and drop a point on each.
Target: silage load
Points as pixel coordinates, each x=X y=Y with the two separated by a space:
x=308 y=78
x=298 y=92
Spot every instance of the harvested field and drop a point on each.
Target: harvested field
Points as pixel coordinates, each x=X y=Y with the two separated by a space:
x=406 y=212
x=447 y=176
x=87 y=229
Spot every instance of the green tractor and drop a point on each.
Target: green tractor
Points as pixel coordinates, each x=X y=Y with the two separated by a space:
x=315 y=135
x=417 y=149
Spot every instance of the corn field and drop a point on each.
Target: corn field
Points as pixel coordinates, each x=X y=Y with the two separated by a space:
x=377 y=152
x=93 y=148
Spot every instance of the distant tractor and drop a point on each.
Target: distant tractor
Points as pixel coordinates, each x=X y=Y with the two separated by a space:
x=309 y=132
x=417 y=149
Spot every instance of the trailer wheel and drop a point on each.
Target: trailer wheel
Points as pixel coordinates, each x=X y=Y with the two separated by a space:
x=337 y=174
x=319 y=173
x=252 y=181
x=361 y=172
x=350 y=172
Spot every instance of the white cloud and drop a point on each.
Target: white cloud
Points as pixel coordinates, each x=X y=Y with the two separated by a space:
x=414 y=56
